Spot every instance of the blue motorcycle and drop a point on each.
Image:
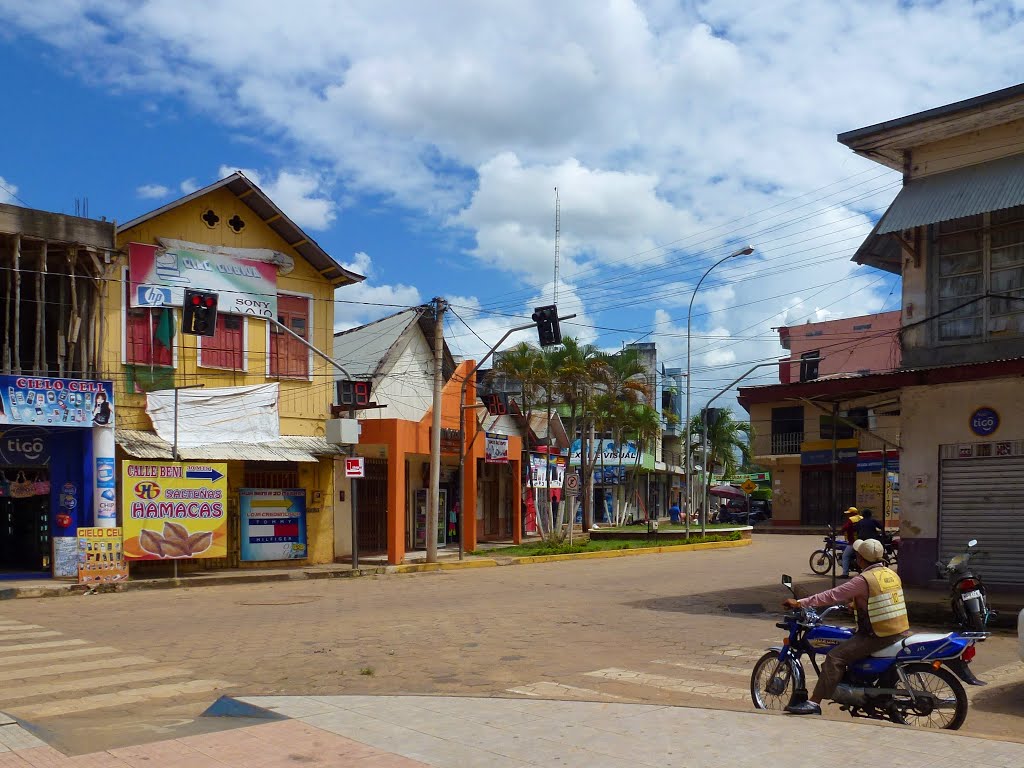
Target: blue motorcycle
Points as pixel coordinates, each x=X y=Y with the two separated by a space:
x=912 y=682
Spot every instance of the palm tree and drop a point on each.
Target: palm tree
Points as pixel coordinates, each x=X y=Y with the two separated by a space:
x=728 y=443
x=622 y=389
x=643 y=424
x=523 y=364
x=574 y=388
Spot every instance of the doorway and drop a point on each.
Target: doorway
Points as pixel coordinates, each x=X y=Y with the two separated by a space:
x=24 y=531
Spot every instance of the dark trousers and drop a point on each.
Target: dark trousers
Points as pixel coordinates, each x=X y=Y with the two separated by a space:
x=842 y=656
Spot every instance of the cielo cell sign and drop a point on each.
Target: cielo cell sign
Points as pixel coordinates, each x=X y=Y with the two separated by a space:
x=984 y=421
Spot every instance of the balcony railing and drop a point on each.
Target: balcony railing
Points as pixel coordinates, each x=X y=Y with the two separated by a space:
x=786 y=443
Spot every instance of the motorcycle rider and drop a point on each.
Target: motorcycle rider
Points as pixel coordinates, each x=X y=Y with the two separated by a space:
x=868 y=527
x=849 y=529
x=877 y=595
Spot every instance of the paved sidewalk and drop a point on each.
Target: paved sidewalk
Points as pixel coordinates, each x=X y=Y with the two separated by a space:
x=458 y=732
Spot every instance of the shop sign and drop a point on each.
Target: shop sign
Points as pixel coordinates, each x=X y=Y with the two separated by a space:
x=42 y=401
x=496 y=449
x=159 y=278
x=174 y=510
x=273 y=523
x=984 y=422
x=843 y=456
x=609 y=451
x=871 y=461
x=542 y=465
x=24 y=445
x=101 y=556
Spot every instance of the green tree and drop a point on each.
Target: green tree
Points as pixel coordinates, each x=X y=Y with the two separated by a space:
x=728 y=444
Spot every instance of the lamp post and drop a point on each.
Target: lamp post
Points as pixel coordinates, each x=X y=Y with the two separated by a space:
x=744 y=251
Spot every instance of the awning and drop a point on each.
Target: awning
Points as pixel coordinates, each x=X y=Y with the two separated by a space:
x=980 y=188
x=146 y=445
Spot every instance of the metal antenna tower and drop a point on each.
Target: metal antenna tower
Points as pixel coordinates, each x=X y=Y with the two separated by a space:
x=558 y=233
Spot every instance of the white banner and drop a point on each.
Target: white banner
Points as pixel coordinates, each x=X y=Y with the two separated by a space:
x=496 y=450
x=219 y=415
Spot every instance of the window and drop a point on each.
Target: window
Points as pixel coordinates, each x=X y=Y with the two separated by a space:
x=977 y=255
x=226 y=348
x=787 y=430
x=862 y=327
x=148 y=333
x=809 y=365
x=289 y=358
x=825 y=429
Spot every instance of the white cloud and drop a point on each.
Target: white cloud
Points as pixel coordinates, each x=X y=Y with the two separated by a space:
x=674 y=131
x=152 y=191
x=301 y=195
x=188 y=186
x=364 y=302
x=8 y=191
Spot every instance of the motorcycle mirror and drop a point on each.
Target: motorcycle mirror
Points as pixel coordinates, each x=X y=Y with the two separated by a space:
x=972 y=543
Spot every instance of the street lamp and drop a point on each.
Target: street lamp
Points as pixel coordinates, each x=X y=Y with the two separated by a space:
x=744 y=251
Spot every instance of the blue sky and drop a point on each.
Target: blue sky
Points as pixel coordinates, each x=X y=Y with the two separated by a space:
x=421 y=146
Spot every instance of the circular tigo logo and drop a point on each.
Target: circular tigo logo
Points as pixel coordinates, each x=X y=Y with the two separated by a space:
x=984 y=421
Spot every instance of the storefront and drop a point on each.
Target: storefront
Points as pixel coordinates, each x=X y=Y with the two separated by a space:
x=56 y=471
x=962 y=477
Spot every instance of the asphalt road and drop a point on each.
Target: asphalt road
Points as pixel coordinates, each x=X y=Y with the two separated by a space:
x=95 y=672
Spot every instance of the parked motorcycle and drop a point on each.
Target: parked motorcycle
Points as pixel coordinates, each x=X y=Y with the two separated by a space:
x=912 y=682
x=967 y=594
x=821 y=559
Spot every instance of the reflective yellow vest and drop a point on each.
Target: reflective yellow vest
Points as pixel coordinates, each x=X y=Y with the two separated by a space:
x=887 y=610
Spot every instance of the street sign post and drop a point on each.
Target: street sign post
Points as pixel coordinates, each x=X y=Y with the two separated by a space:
x=354 y=466
x=749 y=486
x=572 y=484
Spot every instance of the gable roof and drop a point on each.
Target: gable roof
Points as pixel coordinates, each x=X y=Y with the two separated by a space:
x=885 y=142
x=268 y=212
x=369 y=351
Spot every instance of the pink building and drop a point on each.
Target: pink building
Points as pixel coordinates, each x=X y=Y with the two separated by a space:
x=865 y=344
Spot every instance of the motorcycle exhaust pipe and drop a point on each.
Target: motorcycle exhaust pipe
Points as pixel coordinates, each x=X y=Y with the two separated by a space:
x=852 y=696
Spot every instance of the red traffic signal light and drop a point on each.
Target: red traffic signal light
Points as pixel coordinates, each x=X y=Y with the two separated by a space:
x=199 y=313
x=546 y=318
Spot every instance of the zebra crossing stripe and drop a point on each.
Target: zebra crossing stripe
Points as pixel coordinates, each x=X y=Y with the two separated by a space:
x=675 y=684
x=47 y=644
x=47 y=670
x=18 y=626
x=27 y=636
x=28 y=659
x=132 y=696
x=8 y=695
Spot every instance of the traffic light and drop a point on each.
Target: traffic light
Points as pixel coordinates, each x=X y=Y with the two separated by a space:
x=546 y=319
x=199 y=313
x=497 y=403
x=353 y=394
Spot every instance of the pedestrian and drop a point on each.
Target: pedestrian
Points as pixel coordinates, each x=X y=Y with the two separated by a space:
x=868 y=527
x=849 y=530
x=673 y=513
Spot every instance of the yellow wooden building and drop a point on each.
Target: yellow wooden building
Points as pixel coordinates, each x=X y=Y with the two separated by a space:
x=250 y=367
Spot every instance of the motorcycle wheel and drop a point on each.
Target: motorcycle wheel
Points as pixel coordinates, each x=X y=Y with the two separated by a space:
x=937 y=684
x=773 y=682
x=821 y=562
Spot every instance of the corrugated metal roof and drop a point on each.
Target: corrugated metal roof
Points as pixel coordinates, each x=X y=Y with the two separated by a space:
x=880 y=251
x=365 y=349
x=299 y=448
x=975 y=189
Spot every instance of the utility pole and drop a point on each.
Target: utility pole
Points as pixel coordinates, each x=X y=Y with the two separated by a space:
x=433 y=515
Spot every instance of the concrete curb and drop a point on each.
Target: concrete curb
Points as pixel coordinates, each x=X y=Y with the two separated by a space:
x=629 y=552
x=228 y=579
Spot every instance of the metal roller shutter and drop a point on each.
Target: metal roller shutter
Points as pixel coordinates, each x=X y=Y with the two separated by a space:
x=983 y=499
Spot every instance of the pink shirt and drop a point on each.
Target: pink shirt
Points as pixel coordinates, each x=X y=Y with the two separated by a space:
x=855 y=590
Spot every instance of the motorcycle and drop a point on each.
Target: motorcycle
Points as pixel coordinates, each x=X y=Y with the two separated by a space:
x=967 y=594
x=821 y=559
x=912 y=682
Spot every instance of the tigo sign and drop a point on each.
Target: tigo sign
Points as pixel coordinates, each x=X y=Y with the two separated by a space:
x=984 y=422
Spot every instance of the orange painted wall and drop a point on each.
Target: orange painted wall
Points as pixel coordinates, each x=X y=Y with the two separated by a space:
x=406 y=437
